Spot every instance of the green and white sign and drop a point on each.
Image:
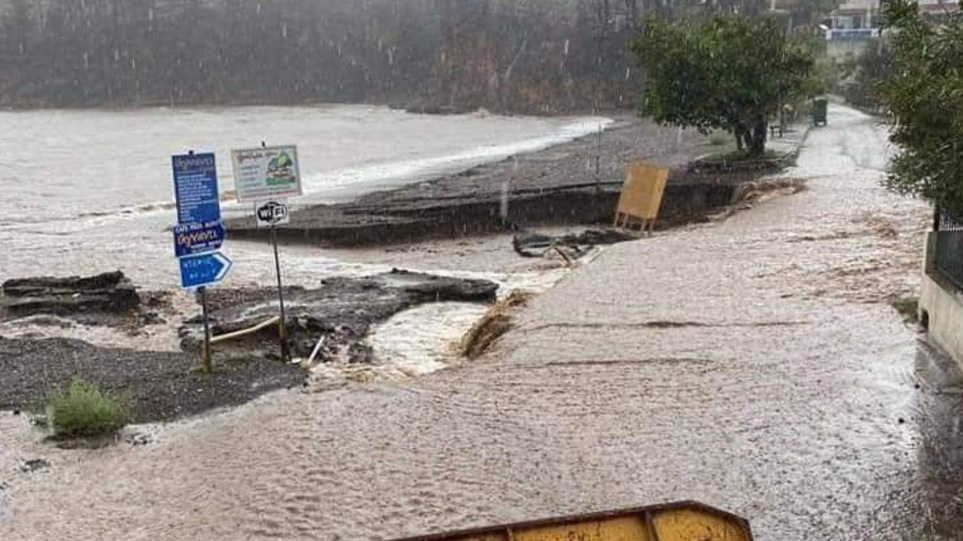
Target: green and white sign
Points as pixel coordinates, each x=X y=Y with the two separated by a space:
x=266 y=173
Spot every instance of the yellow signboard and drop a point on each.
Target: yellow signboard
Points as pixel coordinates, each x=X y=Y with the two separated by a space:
x=641 y=196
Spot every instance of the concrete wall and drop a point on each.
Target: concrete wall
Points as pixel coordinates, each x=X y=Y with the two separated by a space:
x=943 y=305
x=840 y=50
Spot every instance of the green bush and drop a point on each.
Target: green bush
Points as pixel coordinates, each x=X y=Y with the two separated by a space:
x=83 y=410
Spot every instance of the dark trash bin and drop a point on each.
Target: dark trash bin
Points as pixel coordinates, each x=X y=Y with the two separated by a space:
x=820 y=111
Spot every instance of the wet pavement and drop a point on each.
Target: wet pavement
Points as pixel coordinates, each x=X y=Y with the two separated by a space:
x=753 y=364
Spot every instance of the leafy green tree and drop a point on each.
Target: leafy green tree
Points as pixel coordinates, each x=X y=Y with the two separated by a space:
x=728 y=73
x=923 y=90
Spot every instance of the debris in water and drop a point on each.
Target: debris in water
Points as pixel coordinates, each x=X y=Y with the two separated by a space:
x=492 y=326
x=34 y=465
x=532 y=244
x=342 y=311
x=108 y=292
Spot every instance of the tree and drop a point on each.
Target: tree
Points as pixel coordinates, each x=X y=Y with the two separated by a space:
x=923 y=91
x=728 y=73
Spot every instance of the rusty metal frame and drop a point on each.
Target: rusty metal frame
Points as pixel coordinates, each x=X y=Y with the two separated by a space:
x=646 y=513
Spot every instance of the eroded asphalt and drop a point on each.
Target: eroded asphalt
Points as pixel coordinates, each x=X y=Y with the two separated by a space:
x=752 y=364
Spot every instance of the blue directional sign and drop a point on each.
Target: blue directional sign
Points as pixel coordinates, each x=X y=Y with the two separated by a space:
x=193 y=239
x=195 y=188
x=204 y=270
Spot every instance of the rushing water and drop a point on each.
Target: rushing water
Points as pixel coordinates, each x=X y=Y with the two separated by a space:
x=89 y=191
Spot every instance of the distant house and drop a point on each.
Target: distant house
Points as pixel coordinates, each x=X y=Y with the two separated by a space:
x=854 y=21
x=851 y=26
x=939 y=8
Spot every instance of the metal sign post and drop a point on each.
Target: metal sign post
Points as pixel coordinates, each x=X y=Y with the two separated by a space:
x=598 y=175
x=282 y=325
x=271 y=214
x=206 y=352
x=267 y=175
x=199 y=232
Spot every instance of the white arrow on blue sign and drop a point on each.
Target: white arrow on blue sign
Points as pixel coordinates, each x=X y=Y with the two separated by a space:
x=204 y=270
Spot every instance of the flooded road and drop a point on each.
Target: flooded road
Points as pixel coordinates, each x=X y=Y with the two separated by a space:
x=753 y=364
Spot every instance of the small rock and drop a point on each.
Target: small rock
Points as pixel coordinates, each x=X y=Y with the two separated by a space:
x=138 y=438
x=4 y=485
x=36 y=464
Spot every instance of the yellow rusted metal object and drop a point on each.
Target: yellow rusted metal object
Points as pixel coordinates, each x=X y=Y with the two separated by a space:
x=682 y=521
x=641 y=196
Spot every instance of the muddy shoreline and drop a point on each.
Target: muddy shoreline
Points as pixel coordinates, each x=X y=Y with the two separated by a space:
x=554 y=186
x=166 y=385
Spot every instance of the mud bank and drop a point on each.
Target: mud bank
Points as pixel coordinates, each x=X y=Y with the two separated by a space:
x=555 y=186
x=165 y=385
x=336 y=317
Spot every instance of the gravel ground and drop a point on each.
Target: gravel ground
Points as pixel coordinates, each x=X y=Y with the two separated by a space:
x=159 y=386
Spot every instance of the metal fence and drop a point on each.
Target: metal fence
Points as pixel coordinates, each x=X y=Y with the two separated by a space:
x=945 y=222
x=948 y=249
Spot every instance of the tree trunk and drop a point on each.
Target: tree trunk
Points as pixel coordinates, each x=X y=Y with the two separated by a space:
x=757 y=147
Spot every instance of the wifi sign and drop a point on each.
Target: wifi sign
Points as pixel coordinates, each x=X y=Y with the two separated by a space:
x=272 y=213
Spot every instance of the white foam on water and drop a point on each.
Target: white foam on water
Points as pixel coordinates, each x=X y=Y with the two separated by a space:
x=425 y=339
x=346 y=184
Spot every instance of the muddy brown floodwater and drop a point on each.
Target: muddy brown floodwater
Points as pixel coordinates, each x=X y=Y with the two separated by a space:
x=753 y=364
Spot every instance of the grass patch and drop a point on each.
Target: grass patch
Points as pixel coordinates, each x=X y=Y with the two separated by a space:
x=84 y=411
x=908 y=307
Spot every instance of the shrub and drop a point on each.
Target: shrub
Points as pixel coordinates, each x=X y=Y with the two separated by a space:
x=83 y=410
x=923 y=90
x=908 y=307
